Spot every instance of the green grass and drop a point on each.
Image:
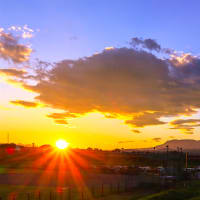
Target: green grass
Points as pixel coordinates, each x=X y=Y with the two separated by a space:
x=195 y=198
x=190 y=192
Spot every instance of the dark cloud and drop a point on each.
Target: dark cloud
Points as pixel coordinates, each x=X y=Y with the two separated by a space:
x=11 y=49
x=119 y=81
x=149 y=44
x=146 y=119
x=27 y=104
x=124 y=82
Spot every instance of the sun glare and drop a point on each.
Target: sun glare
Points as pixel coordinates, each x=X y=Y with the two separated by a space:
x=62 y=144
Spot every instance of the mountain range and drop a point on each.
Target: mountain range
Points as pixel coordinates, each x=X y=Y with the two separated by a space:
x=174 y=145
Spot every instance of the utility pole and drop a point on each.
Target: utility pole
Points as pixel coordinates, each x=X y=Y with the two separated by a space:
x=167 y=155
x=154 y=154
x=186 y=160
x=181 y=157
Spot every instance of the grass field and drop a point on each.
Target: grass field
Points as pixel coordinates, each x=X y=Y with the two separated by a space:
x=191 y=191
x=11 y=192
x=188 y=191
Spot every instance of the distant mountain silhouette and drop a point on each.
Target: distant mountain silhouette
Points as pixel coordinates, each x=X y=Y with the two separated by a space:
x=184 y=144
x=173 y=145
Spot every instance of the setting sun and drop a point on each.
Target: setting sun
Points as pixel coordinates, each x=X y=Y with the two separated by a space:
x=62 y=144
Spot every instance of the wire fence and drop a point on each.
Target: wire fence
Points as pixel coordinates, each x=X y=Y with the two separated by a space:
x=72 y=193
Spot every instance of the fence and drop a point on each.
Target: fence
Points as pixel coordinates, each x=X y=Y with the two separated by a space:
x=102 y=185
x=73 y=193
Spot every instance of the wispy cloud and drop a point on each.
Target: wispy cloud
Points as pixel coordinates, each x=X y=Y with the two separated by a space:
x=62 y=115
x=26 y=32
x=60 y=118
x=185 y=125
x=149 y=44
x=27 y=104
x=135 y=131
x=60 y=121
x=13 y=72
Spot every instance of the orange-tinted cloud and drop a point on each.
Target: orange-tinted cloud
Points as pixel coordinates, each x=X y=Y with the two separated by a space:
x=13 y=72
x=121 y=82
x=135 y=131
x=114 y=81
x=185 y=125
x=11 y=49
x=61 y=115
x=60 y=118
x=27 y=104
x=146 y=119
x=60 y=121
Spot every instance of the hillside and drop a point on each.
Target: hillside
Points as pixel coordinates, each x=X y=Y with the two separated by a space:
x=186 y=145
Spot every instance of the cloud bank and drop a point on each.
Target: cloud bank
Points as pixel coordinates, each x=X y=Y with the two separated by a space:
x=129 y=82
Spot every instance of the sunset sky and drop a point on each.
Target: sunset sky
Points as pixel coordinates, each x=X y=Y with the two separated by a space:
x=101 y=74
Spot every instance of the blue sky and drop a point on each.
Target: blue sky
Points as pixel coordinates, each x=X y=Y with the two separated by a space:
x=97 y=24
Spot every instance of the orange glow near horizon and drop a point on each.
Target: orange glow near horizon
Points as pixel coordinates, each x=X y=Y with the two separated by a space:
x=110 y=133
